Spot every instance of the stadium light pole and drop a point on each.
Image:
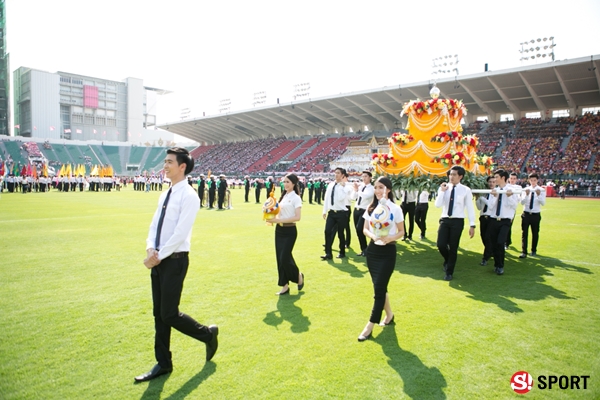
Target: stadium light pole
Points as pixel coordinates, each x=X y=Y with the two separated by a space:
x=537 y=48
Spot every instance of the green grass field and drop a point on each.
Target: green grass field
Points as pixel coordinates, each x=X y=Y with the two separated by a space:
x=77 y=322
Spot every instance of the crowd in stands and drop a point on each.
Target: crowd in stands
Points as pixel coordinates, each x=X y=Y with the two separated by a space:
x=583 y=144
x=528 y=145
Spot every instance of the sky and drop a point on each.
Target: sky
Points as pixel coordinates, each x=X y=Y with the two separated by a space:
x=208 y=51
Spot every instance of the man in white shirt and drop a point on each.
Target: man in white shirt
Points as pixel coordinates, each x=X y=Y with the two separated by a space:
x=409 y=204
x=502 y=210
x=532 y=198
x=167 y=248
x=453 y=203
x=483 y=205
x=512 y=184
x=421 y=212
x=336 y=213
x=363 y=194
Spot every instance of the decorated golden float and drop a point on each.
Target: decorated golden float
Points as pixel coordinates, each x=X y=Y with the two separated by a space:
x=434 y=144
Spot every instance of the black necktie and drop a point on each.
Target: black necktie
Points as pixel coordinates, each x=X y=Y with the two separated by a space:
x=531 y=202
x=487 y=196
x=333 y=193
x=360 y=198
x=161 y=219
x=499 y=205
x=451 y=204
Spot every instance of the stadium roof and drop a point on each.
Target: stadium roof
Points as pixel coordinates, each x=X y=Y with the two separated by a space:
x=567 y=84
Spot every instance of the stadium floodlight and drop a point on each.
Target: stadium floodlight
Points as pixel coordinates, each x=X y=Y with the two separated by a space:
x=542 y=50
x=443 y=65
x=224 y=105
x=259 y=98
x=301 y=90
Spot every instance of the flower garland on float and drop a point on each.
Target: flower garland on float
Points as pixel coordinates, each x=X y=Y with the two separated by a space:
x=445 y=137
x=452 y=158
x=400 y=138
x=383 y=159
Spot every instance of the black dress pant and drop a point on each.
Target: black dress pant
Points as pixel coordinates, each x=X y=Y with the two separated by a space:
x=497 y=234
x=381 y=261
x=488 y=248
x=246 y=193
x=287 y=270
x=221 y=199
x=310 y=195
x=409 y=208
x=530 y=220
x=257 y=194
x=336 y=220
x=167 y=284
x=448 y=239
x=359 y=224
x=211 y=198
x=421 y=217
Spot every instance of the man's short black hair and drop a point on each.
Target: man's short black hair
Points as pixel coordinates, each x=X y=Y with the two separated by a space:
x=342 y=171
x=459 y=170
x=502 y=173
x=183 y=156
x=533 y=175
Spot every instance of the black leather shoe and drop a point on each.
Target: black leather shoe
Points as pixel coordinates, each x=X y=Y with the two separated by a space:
x=500 y=271
x=448 y=277
x=213 y=344
x=300 y=287
x=282 y=293
x=362 y=338
x=523 y=255
x=157 y=370
x=326 y=257
x=533 y=254
x=340 y=256
x=483 y=262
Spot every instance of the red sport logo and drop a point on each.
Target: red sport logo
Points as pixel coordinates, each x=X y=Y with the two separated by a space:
x=521 y=382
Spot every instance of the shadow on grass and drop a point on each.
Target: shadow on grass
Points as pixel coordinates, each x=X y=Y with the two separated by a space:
x=187 y=388
x=288 y=311
x=420 y=381
x=349 y=268
x=523 y=279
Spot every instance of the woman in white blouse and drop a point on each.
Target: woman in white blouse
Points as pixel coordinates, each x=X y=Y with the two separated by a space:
x=381 y=254
x=290 y=207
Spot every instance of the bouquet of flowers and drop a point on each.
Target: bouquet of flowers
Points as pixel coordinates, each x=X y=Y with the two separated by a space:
x=400 y=138
x=446 y=137
x=383 y=159
x=452 y=158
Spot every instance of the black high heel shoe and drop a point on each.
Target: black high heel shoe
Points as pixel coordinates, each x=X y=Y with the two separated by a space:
x=391 y=322
x=283 y=293
x=300 y=287
x=362 y=338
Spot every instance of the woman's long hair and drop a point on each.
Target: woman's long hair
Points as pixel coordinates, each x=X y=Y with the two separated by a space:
x=294 y=179
x=388 y=184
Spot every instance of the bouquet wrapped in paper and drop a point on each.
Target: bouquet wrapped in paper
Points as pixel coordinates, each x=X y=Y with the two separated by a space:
x=271 y=206
x=381 y=220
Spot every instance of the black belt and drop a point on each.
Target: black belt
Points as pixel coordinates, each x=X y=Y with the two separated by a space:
x=501 y=219
x=530 y=213
x=179 y=254
x=286 y=225
x=338 y=211
x=448 y=218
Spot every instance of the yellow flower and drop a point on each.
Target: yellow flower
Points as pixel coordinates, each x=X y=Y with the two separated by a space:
x=456 y=157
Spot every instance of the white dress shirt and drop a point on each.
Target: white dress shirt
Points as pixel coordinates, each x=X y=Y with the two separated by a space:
x=364 y=196
x=482 y=202
x=409 y=196
x=342 y=193
x=538 y=201
x=288 y=205
x=462 y=199
x=423 y=197
x=508 y=206
x=179 y=219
